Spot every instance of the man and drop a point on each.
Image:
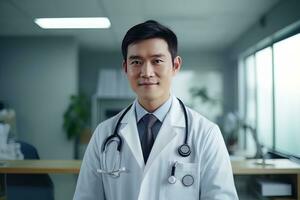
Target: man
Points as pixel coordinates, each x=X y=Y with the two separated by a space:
x=159 y=149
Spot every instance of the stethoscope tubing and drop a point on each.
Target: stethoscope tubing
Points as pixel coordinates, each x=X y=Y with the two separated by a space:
x=186 y=121
x=115 y=134
x=120 y=144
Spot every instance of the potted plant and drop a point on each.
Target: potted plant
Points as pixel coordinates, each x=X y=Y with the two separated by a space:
x=76 y=120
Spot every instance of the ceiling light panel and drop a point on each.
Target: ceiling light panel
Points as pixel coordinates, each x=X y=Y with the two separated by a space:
x=73 y=23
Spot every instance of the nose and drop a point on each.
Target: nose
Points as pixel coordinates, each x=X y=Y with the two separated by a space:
x=147 y=70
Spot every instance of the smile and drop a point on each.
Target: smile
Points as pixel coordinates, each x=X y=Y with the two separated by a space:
x=145 y=84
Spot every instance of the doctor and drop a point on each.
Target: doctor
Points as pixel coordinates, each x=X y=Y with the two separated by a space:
x=156 y=149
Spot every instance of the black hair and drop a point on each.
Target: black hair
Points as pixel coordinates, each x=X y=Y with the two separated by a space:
x=148 y=30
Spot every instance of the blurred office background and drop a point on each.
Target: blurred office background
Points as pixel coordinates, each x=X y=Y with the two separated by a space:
x=241 y=64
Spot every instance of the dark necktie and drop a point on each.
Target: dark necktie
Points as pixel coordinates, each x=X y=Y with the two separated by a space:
x=148 y=137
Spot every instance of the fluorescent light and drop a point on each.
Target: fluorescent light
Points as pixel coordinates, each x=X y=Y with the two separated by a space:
x=73 y=23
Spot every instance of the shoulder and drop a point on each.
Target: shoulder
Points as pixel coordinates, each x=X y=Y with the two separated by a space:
x=203 y=132
x=199 y=121
x=205 y=137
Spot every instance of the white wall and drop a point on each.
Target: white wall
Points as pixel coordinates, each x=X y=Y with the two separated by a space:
x=37 y=76
x=201 y=61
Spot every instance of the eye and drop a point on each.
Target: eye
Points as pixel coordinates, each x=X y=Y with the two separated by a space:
x=157 y=61
x=135 y=62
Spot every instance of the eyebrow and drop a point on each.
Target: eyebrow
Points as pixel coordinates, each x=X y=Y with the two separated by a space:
x=133 y=57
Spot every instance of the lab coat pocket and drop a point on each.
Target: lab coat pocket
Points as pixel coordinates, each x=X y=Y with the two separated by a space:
x=187 y=182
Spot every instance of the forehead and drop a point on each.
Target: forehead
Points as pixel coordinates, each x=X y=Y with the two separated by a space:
x=148 y=47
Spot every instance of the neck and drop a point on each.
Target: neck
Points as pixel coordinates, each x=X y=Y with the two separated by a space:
x=152 y=105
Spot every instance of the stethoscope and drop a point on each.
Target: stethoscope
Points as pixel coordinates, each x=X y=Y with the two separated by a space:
x=115 y=170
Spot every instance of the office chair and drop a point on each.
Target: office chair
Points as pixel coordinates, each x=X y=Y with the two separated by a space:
x=29 y=186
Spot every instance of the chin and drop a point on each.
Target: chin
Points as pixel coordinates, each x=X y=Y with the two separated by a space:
x=151 y=97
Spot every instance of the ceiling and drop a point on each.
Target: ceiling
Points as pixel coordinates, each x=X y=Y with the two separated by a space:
x=210 y=25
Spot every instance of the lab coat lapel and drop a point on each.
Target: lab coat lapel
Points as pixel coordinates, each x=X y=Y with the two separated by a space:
x=168 y=131
x=130 y=134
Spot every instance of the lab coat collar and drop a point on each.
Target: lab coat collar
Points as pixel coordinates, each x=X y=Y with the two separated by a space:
x=177 y=114
x=130 y=134
x=177 y=119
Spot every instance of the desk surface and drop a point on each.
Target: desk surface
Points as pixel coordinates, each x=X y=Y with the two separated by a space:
x=279 y=166
x=242 y=167
x=40 y=166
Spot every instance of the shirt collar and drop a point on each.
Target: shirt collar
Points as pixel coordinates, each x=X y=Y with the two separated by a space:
x=160 y=113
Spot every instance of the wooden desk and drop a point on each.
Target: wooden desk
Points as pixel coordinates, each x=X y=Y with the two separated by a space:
x=279 y=167
x=40 y=166
x=242 y=167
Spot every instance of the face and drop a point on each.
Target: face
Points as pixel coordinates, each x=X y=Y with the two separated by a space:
x=150 y=69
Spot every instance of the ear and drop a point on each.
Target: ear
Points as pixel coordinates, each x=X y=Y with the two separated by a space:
x=177 y=64
x=124 y=64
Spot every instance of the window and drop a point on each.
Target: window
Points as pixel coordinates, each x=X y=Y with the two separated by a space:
x=272 y=96
x=251 y=99
x=287 y=95
x=263 y=62
x=250 y=95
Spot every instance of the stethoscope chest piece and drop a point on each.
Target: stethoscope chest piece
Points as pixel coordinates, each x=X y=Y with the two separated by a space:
x=184 y=150
x=187 y=180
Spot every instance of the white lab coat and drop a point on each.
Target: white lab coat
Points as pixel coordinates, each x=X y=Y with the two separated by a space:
x=208 y=163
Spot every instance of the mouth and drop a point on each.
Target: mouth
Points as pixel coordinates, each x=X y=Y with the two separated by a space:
x=148 y=83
